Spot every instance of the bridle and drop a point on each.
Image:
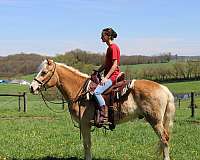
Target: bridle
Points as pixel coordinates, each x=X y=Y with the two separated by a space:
x=44 y=83
x=78 y=97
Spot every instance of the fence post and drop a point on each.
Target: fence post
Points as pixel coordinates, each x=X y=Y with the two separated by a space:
x=192 y=104
x=179 y=103
x=24 y=95
x=19 y=99
x=19 y=95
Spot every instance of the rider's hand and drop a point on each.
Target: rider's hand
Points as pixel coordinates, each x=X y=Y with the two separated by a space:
x=104 y=80
x=95 y=71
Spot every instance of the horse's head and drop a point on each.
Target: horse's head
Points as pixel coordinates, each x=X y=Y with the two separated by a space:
x=46 y=78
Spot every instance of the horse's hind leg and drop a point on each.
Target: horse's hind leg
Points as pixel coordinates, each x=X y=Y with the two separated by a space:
x=164 y=138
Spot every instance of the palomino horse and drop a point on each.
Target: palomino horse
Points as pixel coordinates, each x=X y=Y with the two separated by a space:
x=147 y=98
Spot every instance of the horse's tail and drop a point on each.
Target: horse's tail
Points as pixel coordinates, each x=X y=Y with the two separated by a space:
x=168 y=118
x=169 y=113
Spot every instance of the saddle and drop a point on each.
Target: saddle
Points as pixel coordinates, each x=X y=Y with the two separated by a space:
x=121 y=85
x=111 y=96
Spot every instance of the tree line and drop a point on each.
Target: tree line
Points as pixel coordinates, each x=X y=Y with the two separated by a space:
x=77 y=55
x=24 y=64
x=178 y=71
x=19 y=64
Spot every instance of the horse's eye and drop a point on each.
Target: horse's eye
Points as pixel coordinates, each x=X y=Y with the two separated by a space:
x=43 y=73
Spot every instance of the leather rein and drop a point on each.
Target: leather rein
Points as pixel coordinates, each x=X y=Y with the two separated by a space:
x=78 y=97
x=71 y=101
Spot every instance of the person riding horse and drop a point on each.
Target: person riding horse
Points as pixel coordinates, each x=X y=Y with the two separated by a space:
x=147 y=98
x=111 y=71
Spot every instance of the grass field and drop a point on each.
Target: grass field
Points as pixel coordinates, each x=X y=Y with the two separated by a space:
x=143 y=66
x=42 y=134
x=184 y=87
x=179 y=87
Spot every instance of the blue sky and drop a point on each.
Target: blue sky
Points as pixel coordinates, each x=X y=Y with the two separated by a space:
x=147 y=27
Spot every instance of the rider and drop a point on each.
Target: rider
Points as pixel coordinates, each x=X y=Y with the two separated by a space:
x=110 y=68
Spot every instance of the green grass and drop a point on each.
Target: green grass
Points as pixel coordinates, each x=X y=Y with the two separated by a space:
x=176 y=87
x=28 y=77
x=42 y=134
x=184 y=87
x=143 y=66
x=139 y=67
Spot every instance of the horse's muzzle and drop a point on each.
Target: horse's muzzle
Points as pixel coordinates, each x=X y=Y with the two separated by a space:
x=34 y=90
x=31 y=89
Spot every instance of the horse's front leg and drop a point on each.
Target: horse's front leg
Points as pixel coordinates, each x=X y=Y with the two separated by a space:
x=85 y=130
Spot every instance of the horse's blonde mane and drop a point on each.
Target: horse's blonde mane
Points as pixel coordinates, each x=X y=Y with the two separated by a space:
x=73 y=70
x=42 y=65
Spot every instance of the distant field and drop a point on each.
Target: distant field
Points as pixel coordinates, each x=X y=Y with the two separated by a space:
x=176 y=87
x=41 y=134
x=142 y=66
x=184 y=87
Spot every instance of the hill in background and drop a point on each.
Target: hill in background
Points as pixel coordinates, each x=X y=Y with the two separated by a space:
x=19 y=64
x=24 y=64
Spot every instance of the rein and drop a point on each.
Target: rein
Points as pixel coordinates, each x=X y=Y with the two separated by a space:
x=45 y=101
x=78 y=98
x=69 y=102
x=43 y=97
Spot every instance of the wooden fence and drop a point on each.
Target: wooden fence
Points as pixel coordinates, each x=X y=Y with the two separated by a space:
x=19 y=95
x=192 y=105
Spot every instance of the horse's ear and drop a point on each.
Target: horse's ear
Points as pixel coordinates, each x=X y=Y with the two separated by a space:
x=49 y=61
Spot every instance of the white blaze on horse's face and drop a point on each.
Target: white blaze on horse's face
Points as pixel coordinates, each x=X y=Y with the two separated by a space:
x=34 y=87
x=36 y=84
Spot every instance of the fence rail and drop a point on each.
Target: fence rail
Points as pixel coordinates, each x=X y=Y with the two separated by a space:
x=192 y=97
x=19 y=95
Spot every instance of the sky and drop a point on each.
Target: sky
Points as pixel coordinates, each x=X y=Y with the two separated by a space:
x=144 y=27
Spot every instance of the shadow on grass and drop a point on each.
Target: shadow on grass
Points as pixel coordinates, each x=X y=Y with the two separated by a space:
x=54 y=158
x=190 y=120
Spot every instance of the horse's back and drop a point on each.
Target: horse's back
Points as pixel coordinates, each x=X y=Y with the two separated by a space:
x=149 y=88
x=151 y=97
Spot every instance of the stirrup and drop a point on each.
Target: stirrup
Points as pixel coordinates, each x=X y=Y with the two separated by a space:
x=105 y=122
x=94 y=123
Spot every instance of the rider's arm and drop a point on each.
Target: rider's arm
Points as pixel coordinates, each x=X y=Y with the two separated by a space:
x=114 y=66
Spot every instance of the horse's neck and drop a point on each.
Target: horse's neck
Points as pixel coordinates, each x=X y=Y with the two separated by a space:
x=70 y=82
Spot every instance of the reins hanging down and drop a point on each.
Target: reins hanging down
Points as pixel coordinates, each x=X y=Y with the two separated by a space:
x=45 y=101
x=77 y=98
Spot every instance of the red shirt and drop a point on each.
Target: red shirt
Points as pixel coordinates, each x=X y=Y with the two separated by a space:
x=113 y=53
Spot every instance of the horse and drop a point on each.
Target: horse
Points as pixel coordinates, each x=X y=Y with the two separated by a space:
x=147 y=98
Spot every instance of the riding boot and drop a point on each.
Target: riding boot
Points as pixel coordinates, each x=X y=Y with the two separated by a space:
x=97 y=119
x=103 y=118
